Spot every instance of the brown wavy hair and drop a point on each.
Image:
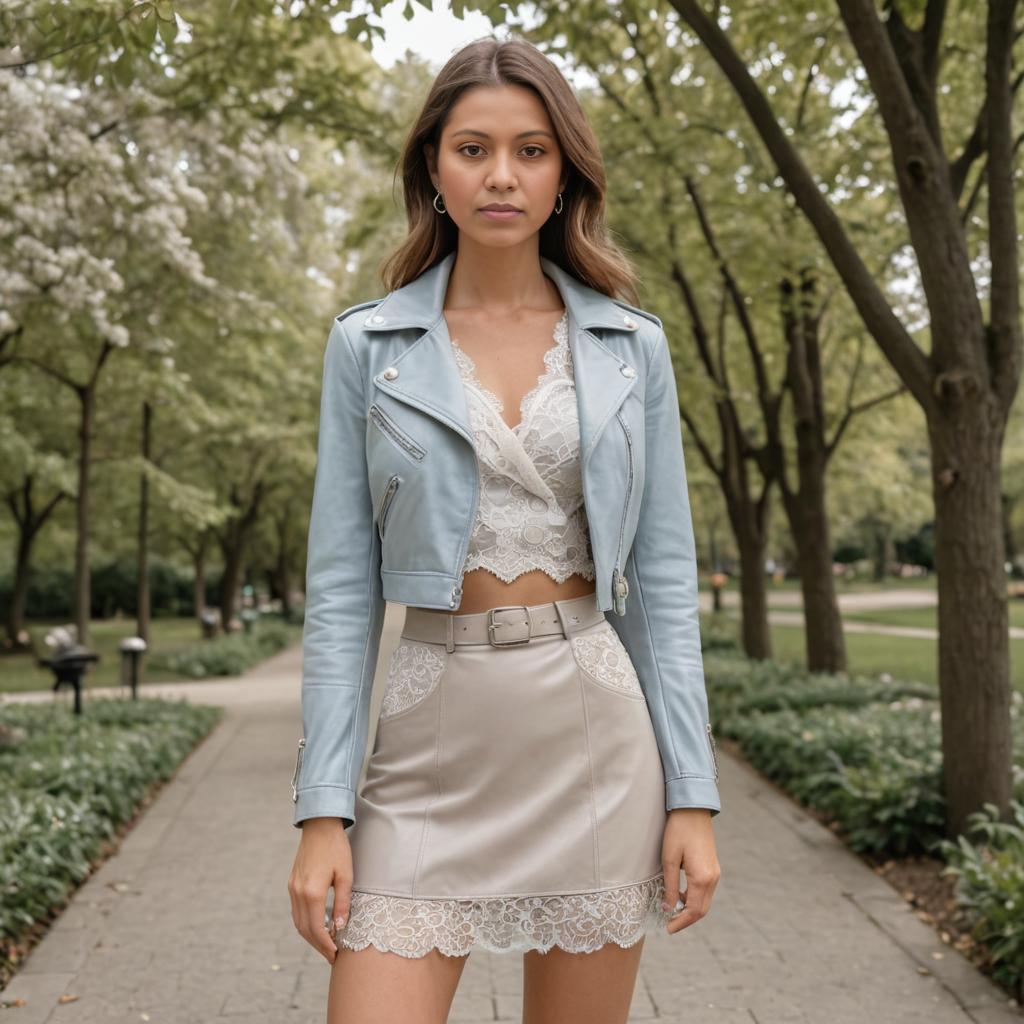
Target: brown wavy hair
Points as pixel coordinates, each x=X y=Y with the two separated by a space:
x=577 y=239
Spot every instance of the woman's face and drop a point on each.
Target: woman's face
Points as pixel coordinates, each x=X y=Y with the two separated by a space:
x=498 y=146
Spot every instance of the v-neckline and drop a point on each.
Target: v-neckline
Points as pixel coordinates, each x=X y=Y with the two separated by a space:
x=492 y=398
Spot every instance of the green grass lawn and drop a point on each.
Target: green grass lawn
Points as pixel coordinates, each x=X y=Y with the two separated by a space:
x=925 y=617
x=20 y=672
x=902 y=657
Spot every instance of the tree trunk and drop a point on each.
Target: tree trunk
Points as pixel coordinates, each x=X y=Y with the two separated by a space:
x=973 y=616
x=885 y=552
x=19 y=588
x=143 y=611
x=83 y=586
x=231 y=580
x=755 y=632
x=825 y=644
x=199 y=581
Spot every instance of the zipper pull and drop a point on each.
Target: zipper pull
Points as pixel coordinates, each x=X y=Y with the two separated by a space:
x=298 y=764
x=456 y=597
x=620 y=588
x=711 y=743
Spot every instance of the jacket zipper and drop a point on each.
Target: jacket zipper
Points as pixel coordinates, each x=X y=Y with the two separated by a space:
x=711 y=743
x=395 y=432
x=385 y=503
x=298 y=765
x=620 y=585
x=456 y=595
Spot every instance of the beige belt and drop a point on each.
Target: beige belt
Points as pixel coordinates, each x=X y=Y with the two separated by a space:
x=503 y=625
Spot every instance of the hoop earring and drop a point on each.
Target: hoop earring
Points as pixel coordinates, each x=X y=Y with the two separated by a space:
x=558 y=203
x=443 y=208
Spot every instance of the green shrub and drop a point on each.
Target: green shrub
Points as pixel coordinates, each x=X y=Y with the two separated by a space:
x=227 y=655
x=69 y=782
x=989 y=864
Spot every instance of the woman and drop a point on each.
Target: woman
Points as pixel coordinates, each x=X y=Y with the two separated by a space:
x=499 y=451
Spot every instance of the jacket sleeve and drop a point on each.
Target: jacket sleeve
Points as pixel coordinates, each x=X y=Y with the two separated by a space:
x=344 y=607
x=660 y=628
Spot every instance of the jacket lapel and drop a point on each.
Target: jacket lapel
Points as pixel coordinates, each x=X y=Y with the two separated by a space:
x=428 y=377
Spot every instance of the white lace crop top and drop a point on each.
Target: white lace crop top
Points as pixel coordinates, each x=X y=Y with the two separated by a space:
x=531 y=513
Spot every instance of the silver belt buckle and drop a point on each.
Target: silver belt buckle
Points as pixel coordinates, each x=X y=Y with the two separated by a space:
x=492 y=625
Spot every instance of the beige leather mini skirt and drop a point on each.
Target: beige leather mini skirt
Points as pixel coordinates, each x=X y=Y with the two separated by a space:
x=514 y=796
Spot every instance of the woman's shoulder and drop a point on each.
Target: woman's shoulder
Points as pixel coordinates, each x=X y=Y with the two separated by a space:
x=359 y=313
x=646 y=313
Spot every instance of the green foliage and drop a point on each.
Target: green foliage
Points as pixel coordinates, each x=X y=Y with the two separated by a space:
x=69 y=782
x=865 y=751
x=226 y=655
x=989 y=864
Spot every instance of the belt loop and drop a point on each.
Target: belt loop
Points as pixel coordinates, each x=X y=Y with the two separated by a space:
x=565 y=616
x=449 y=633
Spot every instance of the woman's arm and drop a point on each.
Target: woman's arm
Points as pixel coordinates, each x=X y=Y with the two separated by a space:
x=344 y=606
x=661 y=629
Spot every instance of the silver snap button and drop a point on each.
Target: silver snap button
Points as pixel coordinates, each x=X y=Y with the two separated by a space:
x=629 y=322
x=391 y=372
x=627 y=371
x=378 y=319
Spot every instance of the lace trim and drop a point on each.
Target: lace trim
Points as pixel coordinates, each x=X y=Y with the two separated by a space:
x=602 y=655
x=413 y=672
x=577 y=923
x=557 y=364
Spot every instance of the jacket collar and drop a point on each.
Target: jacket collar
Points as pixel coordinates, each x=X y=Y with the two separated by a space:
x=425 y=375
x=420 y=302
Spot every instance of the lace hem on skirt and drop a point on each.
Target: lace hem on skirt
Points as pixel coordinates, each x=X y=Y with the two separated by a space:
x=577 y=923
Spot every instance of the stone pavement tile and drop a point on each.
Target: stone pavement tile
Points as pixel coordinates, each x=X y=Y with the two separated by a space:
x=471 y=1006
x=506 y=972
x=310 y=992
x=40 y=992
x=476 y=976
x=64 y=952
x=642 y=1006
x=509 y=1006
x=711 y=1015
x=1005 y=1014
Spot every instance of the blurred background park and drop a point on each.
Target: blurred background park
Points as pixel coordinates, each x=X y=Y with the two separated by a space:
x=821 y=199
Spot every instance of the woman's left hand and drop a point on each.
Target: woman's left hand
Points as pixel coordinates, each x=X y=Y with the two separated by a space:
x=689 y=843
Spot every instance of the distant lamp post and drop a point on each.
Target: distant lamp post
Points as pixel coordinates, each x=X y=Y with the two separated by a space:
x=69 y=662
x=718 y=582
x=209 y=620
x=132 y=649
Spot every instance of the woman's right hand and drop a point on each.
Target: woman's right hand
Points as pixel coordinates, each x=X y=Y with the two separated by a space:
x=323 y=860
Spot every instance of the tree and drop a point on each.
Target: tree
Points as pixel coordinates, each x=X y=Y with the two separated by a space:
x=967 y=383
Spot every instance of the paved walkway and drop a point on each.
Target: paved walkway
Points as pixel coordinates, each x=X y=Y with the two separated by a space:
x=190 y=922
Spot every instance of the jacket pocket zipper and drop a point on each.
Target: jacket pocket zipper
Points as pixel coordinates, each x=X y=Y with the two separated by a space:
x=711 y=744
x=298 y=765
x=399 y=436
x=385 y=503
x=620 y=585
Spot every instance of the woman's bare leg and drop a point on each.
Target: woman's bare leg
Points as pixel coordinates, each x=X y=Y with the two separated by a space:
x=580 y=988
x=372 y=987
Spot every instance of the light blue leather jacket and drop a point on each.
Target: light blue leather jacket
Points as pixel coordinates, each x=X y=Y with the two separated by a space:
x=395 y=498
